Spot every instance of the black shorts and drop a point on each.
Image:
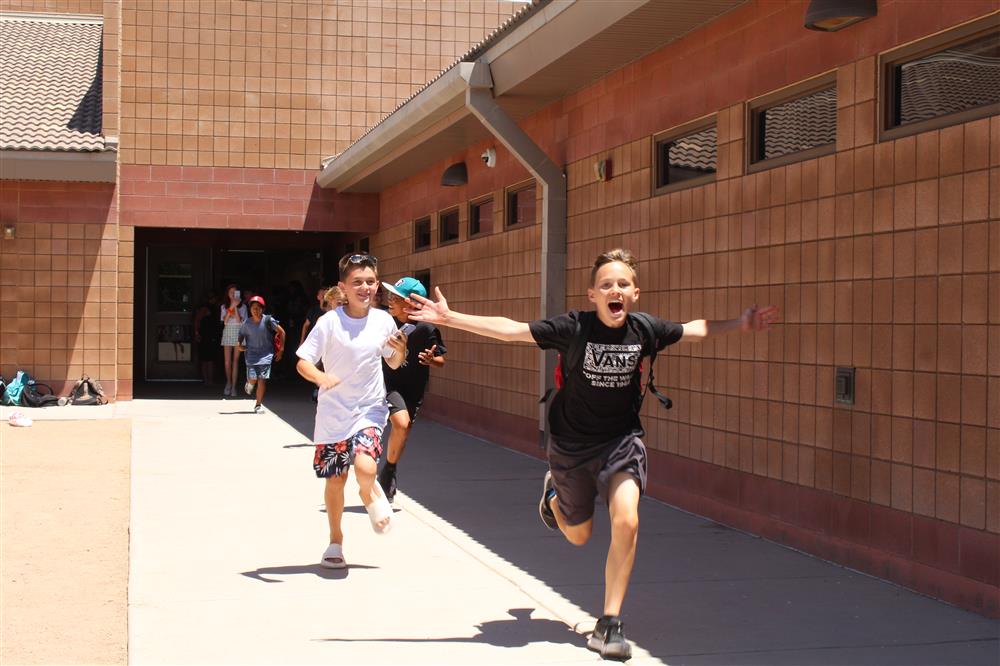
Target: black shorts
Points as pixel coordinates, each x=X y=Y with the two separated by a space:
x=398 y=402
x=580 y=475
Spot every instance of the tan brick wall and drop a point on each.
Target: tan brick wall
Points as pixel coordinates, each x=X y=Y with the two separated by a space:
x=276 y=83
x=59 y=283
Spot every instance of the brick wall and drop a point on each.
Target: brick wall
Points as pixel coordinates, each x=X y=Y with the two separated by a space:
x=277 y=83
x=884 y=256
x=65 y=284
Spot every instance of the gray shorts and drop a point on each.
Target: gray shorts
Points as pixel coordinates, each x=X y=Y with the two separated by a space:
x=581 y=474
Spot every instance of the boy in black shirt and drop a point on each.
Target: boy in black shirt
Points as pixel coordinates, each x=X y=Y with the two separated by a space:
x=405 y=385
x=595 y=446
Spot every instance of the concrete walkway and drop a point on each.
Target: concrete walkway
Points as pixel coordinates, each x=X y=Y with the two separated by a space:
x=227 y=527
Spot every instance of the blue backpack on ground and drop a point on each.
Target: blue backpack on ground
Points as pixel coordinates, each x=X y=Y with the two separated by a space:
x=15 y=389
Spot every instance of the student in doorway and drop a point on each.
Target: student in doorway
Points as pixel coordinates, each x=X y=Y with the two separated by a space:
x=351 y=340
x=405 y=386
x=595 y=446
x=232 y=314
x=258 y=336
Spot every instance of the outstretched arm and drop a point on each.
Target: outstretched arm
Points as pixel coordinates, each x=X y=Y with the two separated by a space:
x=437 y=312
x=752 y=319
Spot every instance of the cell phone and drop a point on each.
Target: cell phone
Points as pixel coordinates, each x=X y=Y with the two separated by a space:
x=236 y=294
x=407 y=328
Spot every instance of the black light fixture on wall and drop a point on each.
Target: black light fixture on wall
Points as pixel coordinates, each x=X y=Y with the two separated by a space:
x=455 y=175
x=833 y=15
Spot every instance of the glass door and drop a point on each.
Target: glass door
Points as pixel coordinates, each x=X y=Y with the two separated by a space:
x=175 y=279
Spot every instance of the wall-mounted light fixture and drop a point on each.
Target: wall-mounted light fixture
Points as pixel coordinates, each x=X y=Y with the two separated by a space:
x=455 y=175
x=602 y=170
x=9 y=231
x=833 y=15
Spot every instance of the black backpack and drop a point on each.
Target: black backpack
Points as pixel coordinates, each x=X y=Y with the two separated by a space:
x=88 y=391
x=40 y=395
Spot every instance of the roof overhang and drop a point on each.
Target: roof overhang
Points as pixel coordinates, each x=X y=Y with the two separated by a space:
x=89 y=167
x=557 y=49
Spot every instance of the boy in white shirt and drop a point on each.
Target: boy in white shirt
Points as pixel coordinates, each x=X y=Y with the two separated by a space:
x=351 y=411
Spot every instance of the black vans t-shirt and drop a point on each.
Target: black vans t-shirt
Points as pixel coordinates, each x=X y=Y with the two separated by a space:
x=598 y=400
x=410 y=379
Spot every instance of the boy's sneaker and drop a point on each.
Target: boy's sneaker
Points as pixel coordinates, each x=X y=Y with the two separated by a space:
x=259 y=409
x=609 y=639
x=226 y=391
x=387 y=480
x=544 y=508
x=248 y=387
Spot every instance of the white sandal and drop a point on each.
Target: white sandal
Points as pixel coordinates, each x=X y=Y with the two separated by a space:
x=20 y=419
x=333 y=557
x=379 y=509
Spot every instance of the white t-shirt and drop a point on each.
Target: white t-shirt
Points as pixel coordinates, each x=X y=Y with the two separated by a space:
x=241 y=311
x=352 y=349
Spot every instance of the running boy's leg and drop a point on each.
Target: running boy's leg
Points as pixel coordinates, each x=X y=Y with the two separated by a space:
x=261 y=388
x=401 y=425
x=364 y=467
x=333 y=496
x=575 y=534
x=623 y=505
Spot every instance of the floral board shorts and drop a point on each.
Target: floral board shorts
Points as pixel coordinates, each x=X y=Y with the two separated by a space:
x=334 y=459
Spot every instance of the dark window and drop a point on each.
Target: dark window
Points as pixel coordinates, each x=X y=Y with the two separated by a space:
x=951 y=80
x=422 y=233
x=795 y=125
x=688 y=157
x=349 y=248
x=481 y=217
x=363 y=245
x=521 y=207
x=448 y=227
x=424 y=277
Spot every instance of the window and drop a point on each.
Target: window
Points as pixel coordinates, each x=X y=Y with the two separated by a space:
x=481 y=217
x=798 y=125
x=521 y=206
x=422 y=234
x=448 y=227
x=950 y=79
x=363 y=245
x=424 y=278
x=349 y=248
x=685 y=156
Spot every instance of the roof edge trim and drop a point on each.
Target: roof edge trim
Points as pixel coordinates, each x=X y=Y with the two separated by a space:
x=91 y=167
x=95 y=19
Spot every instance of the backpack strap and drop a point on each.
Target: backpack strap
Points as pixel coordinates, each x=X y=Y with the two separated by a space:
x=645 y=322
x=577 y=346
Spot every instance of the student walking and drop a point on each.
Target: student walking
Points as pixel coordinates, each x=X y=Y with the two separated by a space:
x=232 y=314
x=351 y=341
x=405 y=386
x=595 y=445
x=259 y=335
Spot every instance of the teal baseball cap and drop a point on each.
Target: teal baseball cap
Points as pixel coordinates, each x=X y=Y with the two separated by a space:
x=406 y=287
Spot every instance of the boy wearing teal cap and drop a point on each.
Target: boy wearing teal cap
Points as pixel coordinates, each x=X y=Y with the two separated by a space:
x=405 y=386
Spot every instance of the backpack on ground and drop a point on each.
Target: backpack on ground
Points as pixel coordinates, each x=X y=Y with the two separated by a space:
x=574 y=354
x=40 y=395
x=13 y=391
x=88 y=391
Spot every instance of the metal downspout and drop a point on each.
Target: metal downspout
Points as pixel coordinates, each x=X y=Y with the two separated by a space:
x=479 y=100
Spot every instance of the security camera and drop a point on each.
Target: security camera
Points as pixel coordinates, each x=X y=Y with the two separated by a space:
x=489 y=157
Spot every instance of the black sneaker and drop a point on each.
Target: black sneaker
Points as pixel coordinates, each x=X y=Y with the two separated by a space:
x=609 y=639
x=544 y=509
x=387 y=480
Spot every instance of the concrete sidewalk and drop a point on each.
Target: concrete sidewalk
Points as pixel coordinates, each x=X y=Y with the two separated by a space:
x=227 y=527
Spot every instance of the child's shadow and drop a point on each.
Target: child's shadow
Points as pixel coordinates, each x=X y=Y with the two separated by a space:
x=296 y=569
x=519 y=632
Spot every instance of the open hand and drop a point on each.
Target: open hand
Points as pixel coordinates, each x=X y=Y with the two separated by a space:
x=424 y=309
x=759 y=319
x=426 y=355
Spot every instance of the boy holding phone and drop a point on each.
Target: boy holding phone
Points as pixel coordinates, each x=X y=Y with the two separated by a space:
x=351 y=340
x=405 y=386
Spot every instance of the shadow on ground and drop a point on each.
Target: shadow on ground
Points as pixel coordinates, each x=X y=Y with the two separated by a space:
x=700 y=593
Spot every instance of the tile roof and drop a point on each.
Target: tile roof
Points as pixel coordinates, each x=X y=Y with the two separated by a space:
x=947 y=82
x=800 y=124
x=50 y=83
